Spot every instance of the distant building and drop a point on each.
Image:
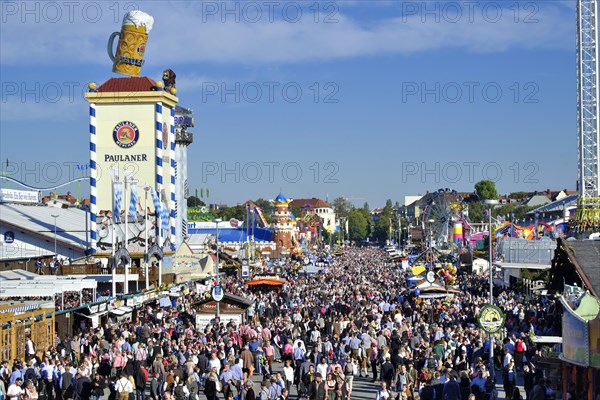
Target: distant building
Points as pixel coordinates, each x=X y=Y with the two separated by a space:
x=322 y=209
x=411 y=208
x=375 y=213
x=537 y=199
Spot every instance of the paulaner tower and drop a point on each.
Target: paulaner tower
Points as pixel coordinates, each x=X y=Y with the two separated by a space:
x=133 y=162
x=132 y=131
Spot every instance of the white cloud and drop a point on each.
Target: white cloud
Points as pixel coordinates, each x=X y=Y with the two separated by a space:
x=184 y=33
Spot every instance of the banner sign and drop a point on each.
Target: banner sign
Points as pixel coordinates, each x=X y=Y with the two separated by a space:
x=575 y=338
x=19 y=196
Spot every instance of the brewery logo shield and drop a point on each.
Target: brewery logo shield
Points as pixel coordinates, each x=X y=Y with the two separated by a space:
x=218 y=293
x=9 y=237
x=126 y=134
x=491 y=319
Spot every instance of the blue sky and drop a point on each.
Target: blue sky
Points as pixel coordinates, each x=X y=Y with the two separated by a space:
x=370 y=100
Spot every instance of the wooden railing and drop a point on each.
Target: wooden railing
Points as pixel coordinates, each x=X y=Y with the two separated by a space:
x=94 y=270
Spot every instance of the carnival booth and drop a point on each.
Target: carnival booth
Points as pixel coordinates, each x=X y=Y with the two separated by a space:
x=18 y=321
x=232 y=308
x=267 y=282
x=581 y=346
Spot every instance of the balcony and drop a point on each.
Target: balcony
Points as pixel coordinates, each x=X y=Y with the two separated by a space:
x=89 y=269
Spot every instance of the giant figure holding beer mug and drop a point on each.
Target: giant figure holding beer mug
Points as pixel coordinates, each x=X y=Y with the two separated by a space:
x=129 y=57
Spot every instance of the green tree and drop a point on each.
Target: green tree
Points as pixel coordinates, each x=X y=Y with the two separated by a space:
x=358 y=226
x=385 y=223
x=194 y=201
x=297 y=211
x=366 y=212
x=267 y=209
x=486 y=190
x=238 y=212
x=342 y=207
x=475 y=212
x=518 y=195
x=519 y=211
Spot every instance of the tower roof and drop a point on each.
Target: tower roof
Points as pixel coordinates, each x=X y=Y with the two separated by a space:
x=281 y=198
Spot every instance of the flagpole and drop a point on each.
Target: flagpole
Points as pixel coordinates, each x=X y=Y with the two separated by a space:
x=126 y=204
x=247 y=231
x=160 y=233
x=114 y=243
x=146 y=236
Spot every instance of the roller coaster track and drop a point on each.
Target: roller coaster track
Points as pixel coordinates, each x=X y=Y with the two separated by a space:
x=25 y=185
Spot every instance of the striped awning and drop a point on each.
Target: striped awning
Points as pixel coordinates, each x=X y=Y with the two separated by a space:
x=19 y=309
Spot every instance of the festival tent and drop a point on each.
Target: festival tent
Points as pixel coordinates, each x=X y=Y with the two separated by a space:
x=267 y=282
x=20 y=283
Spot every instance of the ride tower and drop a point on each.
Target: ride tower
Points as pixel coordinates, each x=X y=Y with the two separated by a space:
x=282 y=227
x=588 y=182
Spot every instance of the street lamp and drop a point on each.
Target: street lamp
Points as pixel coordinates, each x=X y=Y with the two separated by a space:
x=431 y=221
x=491 y=203
x=216 y=221
x=54 y=216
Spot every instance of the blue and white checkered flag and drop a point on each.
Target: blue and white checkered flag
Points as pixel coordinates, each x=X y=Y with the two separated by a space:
x=164 y=219
x=118 y=194
x=156 y=202
x=133 y=202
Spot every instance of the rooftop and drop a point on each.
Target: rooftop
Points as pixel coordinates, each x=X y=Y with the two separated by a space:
x=312 y=203
x=38 y=220
x=585 y=254
x=130 y=84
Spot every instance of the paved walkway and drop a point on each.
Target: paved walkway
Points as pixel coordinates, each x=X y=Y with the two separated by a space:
x=365 y=389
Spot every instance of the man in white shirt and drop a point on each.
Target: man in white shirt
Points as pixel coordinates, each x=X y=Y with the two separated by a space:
x=507 y=358
x=215 y=363
x=14 y=391
x=123 y=386
x=30 y=348
x=322 y=367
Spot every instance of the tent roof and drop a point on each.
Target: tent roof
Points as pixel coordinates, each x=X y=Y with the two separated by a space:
x=585 y=255
x=232 y=235
x=20 y=283
x=270 y=281
x=588 y=307
x=38 y=220
x=230 y=299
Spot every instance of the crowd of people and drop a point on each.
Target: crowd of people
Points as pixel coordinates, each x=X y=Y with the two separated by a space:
x=73 y=299
x=315 y=338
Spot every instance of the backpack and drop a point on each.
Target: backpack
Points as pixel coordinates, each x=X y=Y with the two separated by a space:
x=264 y=394
x=145 y=371
x=432 y=363
x=179 y=393
x=348 y=369
x=30 y=374
x=519 y=346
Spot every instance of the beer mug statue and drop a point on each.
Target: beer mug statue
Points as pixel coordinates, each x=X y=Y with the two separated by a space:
x=129 y=56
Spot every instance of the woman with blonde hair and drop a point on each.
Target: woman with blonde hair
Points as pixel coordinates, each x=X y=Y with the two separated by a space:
x=30 y=390
x=210 y=387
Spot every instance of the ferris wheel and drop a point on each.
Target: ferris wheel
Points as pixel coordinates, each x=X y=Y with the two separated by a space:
x=443 y=210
